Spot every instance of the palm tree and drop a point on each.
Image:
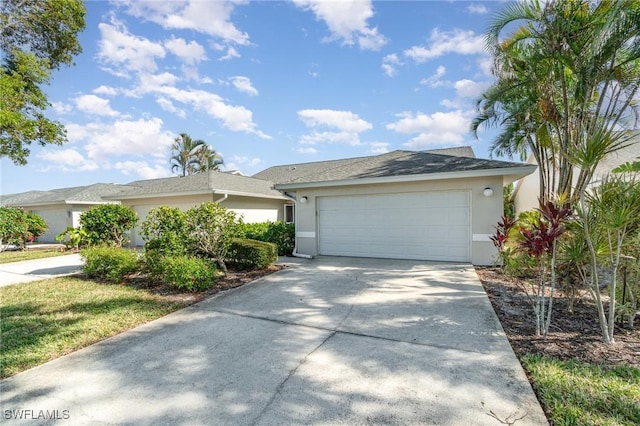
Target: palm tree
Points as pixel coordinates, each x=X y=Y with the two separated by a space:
x=565 y=85
x=185 y=152
x=208 y=159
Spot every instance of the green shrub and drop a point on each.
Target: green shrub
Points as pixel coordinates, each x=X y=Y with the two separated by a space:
x=14 y=227
x=36 y=226
x=252 y=254
x=253 y=231
x=164 y=229
x=280 y=233
x=210 y=228
x=108 y=224
x=188 y=272
x=109 y=263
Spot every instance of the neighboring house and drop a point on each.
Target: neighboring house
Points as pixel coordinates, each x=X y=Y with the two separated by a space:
x=253 y=199
x=527 y=190
x=439 y=205
x=61 y=208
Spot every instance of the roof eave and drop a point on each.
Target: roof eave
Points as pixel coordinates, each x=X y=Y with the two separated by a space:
x=509 y=173
x=249 y=194
x=157 y=195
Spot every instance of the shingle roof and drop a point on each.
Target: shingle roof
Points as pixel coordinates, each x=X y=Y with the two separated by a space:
x=218 y=182
x=396 y=163
x=79 y=194
x=295 y=172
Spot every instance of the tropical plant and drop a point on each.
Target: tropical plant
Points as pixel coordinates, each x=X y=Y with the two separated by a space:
x=541 y=242
x=108 y=224
x=193 y=156
x=210 y=228
x=72 y=237
x=566 y=79
x=608 y=214
x=36 y=38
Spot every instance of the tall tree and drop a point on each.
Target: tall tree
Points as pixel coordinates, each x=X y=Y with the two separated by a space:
x=208 y=159
x=193 y=156
x=37 y=37
x=567 y=73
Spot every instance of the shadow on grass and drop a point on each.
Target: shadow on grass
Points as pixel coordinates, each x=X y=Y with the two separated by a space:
x=32 y=333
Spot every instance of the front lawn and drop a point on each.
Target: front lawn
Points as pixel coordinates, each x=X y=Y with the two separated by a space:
x=46 y=319
x=18 y=256
x=577 y=393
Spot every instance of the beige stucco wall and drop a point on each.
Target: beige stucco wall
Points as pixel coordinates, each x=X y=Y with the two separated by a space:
x=485 y=211
x=58 y=218
x=250 y=209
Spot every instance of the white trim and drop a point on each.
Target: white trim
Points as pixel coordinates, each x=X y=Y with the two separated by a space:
x=481 y=238
x=517 y=171
x=303 y=234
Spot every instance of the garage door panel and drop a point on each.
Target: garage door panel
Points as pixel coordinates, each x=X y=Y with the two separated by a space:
x=423 y=226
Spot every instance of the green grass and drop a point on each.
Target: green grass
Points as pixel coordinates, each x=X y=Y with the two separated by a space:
x=43 y=320
x=576 y=393
x=18 y=256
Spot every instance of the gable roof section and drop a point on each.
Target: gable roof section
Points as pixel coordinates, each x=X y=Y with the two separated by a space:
x=398 y=166
x=296 y=172
x=90 y=194
x=200 y=183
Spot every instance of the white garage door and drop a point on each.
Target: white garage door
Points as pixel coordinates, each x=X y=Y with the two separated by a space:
x=422 y=226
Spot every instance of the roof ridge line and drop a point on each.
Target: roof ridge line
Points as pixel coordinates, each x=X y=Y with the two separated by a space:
x=356 y=161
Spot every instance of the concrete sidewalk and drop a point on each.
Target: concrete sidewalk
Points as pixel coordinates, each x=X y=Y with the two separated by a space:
x=328 y=341
x=39 y=269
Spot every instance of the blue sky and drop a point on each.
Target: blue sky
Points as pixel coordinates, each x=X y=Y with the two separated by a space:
x=264 y=83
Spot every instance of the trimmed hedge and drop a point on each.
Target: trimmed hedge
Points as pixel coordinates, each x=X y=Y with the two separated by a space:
x=280 y=233
x=188 y=272
x=252 y=254
x=109 y=263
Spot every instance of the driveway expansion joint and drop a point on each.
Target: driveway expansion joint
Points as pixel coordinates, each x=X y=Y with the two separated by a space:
x=286 y=379
x=349 y=333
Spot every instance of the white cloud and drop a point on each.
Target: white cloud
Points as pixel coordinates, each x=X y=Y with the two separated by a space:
x=347 y=21
x=378 y=147
x=486 y=65
x=67 y=160
x=208 y=17
x=469 y=88
x=441 y=43
x=435 y=79
x=143 y=169
x=390 y=63
x=231 y=53
x=61 y=108
x=307 y=150
x=168 y=106
x=344 y=126
x=440 y=128
x=95 y=105
x=343 y=120
x=143 y=137
x=477 y=9
x=190 y=53
x=120 y=49
x=105 y=90
x=243 y=84
x=243 y=159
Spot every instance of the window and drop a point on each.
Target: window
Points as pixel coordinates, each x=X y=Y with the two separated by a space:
x=289 y=213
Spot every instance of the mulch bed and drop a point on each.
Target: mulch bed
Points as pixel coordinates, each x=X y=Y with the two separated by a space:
x=574 y=335
x=231 y=280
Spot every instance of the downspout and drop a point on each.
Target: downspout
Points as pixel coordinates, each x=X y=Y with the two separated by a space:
x=224 y=197
x=295 y=223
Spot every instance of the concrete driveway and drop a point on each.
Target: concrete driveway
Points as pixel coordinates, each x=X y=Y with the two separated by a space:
x=39 y=269
x=327 y=341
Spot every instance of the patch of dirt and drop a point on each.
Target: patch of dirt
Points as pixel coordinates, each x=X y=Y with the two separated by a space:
x=231 y=280
x=571 y=336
